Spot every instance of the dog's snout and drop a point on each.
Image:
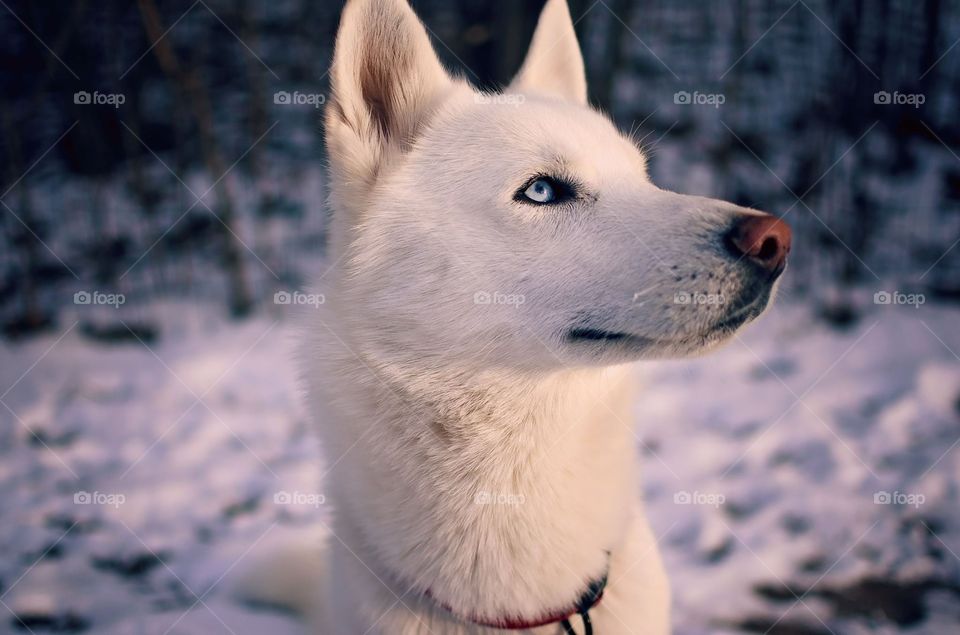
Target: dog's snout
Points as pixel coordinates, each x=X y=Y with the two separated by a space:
x=762 y=238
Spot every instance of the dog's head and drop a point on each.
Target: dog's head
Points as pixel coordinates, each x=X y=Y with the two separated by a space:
x=520 y=228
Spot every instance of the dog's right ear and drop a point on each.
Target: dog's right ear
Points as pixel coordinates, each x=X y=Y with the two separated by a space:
x=386 y=81
x=554 y=64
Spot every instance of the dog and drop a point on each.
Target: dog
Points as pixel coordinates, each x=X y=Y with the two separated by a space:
x=498 y=261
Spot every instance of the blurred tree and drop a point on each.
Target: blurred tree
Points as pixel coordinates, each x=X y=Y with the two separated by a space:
x=31 y=316
x=188 y=83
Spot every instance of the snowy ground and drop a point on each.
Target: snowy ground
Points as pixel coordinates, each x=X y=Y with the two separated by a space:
x=153 y=468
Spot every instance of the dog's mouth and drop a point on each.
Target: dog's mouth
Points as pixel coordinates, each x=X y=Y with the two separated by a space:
x=744 y=313
x=588 y=335
x=728 y=324
x=597 y=335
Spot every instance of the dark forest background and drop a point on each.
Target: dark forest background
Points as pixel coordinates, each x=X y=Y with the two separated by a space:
x=204 y=184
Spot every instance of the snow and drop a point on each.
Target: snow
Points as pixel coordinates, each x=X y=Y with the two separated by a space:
x=153 y=470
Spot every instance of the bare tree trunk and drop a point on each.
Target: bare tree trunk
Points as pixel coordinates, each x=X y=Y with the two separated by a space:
x=146 y=199
x=514 y=22
x=188 y=83
x=603 y=75
x=257 y=100
x=258 y=87
x=32 y=317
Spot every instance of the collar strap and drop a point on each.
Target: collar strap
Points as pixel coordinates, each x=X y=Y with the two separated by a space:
x=590 y=598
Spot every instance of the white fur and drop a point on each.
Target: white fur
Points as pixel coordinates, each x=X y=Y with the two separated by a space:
x=427 y=400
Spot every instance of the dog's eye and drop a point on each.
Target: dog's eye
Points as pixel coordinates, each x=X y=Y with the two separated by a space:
x=541 y=191
x=544 y=190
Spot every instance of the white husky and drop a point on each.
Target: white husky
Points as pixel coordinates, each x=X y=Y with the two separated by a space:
x=498 y=260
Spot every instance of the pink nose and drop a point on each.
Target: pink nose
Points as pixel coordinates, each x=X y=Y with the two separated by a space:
x=763 y=239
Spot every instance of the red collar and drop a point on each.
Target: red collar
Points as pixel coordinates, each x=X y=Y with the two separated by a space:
x=590 y=598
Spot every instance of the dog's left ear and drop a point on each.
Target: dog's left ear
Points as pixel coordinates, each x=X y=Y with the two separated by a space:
x=554 y=64
x=387 y=82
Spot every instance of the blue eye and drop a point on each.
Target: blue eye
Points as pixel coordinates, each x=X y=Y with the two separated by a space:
x=546 y=190
x=541 y=192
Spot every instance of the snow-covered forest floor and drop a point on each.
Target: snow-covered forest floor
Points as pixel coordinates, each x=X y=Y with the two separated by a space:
x=802 y=481
x=137 y=478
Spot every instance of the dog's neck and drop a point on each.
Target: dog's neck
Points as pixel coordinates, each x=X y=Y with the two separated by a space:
x=498 y=492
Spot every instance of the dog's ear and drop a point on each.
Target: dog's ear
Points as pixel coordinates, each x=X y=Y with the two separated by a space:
x=386 y=80
x=554 y=64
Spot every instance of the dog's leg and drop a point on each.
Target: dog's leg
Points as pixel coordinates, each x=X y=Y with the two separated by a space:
x=637 y=600
x=288 y=573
